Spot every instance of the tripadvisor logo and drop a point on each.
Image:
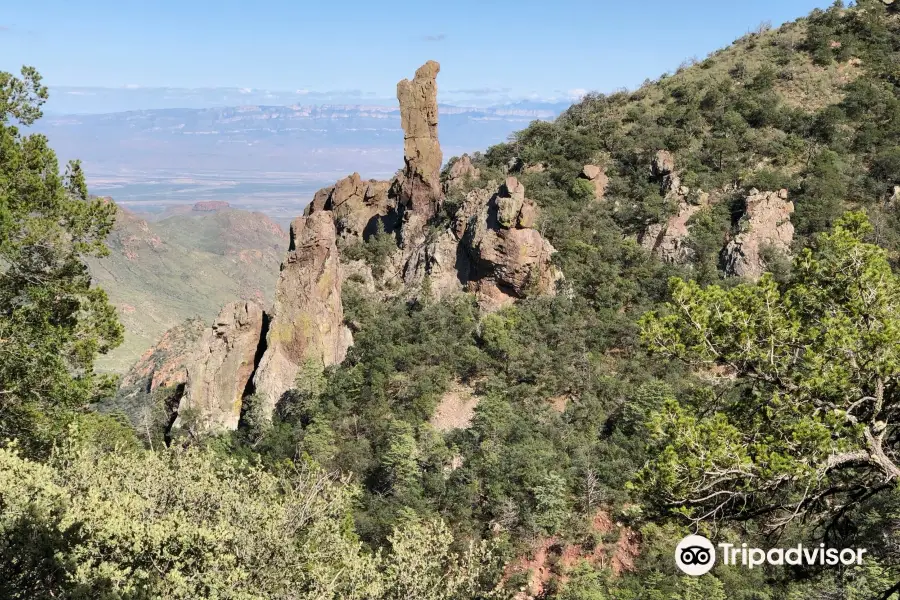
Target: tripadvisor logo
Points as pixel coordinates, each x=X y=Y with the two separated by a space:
x=696 y=555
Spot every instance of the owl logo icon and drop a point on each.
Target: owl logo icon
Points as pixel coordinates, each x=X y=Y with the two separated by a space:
x=695 y=555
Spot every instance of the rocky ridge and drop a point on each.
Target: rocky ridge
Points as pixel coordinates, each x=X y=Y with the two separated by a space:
x=490 y=248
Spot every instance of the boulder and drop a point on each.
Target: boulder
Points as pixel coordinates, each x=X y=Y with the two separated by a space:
x=471 y=207
x=307 y=321
x=527 y=215
x=766 y=224
x=356 y=205
x=663 y=164
x=536 y=168
x=460 y=171
x=220 y=367
x=598 y=178
x=419 y=187
x=591 y=172
x=509 y=202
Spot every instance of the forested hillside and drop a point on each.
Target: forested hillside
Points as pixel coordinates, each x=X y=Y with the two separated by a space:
x=717 y=353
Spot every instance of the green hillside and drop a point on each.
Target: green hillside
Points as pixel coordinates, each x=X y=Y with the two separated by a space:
x=159 y=274
x=568 y=391
x=559 y=447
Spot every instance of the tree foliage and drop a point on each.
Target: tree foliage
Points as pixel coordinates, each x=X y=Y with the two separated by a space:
x=806 y=419
x=53 y=323
x=131 y=524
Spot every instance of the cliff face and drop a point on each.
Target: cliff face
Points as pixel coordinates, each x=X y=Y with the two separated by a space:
x=765 y=226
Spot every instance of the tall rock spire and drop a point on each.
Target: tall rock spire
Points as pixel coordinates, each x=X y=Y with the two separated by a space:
x=307 y=321
x=419 y=184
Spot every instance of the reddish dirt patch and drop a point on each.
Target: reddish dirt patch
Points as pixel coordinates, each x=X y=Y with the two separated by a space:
x=559 y=403
x=551 y=560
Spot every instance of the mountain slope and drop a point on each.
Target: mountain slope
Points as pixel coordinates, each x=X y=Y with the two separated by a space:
x=809 y=107
x=761 y=145
x=773 y=137
x=159 y=274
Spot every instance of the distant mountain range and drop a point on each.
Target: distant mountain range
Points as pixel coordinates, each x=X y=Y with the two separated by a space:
x=268 y=158
x=94 y=100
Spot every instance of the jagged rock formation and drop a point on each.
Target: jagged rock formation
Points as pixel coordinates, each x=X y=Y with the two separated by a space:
x=598 y=179
x=307 y=321
x=766 y=224
x=163 y=366
x=662 y=167
x=220 y=367
x=461 y=170
x=418 y=186
x=490 y=249
x=357 y=205
x=509 y=259
x=667 y=240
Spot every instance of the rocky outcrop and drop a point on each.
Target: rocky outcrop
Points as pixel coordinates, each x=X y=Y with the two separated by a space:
x=219 y=369
x=356 y=205
x=598 y=179
x=536 y=168
x=509 y=259
x=765 y=226
x=163 y=367
x=460 y=171
x=418 y=187
x=307 y=321
x=662 y=168
x=668 y=240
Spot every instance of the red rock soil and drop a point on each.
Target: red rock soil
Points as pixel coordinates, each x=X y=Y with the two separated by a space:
x=550 y=559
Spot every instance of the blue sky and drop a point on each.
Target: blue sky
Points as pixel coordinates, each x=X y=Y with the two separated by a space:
x=512 y=48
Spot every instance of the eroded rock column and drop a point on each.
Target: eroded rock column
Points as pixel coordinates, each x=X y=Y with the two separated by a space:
x=307 y=321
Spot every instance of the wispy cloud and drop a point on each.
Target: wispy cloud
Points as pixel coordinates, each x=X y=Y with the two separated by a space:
x=577 y=93
x=5 y=28
x=435 y=37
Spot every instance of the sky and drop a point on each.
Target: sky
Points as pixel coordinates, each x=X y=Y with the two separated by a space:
x=498 y=48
